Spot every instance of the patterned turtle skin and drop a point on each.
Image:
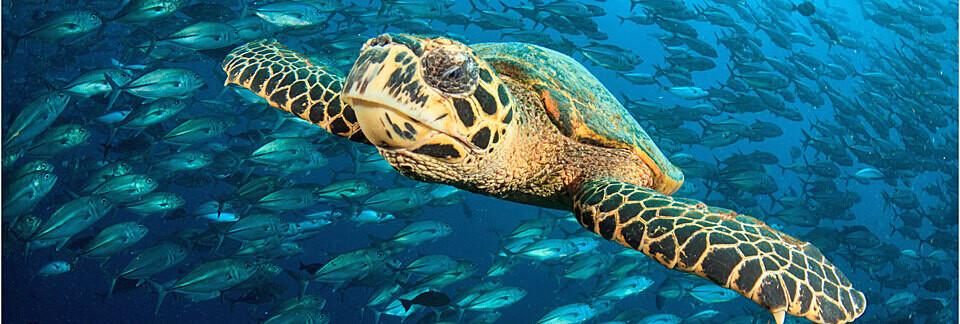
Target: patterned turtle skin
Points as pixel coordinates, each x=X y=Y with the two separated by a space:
x=527 y=124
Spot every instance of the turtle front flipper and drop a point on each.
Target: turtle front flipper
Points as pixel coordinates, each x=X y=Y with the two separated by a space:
x=737 y=252
x=289 y=81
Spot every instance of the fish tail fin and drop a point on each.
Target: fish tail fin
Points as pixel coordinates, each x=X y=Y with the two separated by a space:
x=376 y=316
x=659 y=70
x=383 y=8
x=119 y=10
x=474 y=8
x=115 y=90
x=732 y=72
x=62 y=243
x=243 y=9
x=161 y=294
x=460 y=312
x=886 y=200
x=660 y=301
x=406 y=303
x=302 y=282
x=26 y=250
x=625 y=98
x=108 y=144
x=151 y=46
x=293 y=274
x=622 y=19
x=806 y=139
x=709 y=191
x=7 y=52
x=393 y=267
x=113 y=283
x=220 y=237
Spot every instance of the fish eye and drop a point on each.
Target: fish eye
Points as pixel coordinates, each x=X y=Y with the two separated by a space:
x=149 y=180
x=46 y=176
x=177 y=84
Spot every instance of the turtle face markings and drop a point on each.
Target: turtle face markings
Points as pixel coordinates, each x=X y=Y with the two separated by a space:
x=431 y=100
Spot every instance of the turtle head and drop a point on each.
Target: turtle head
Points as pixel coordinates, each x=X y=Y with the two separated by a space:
x=428 y=99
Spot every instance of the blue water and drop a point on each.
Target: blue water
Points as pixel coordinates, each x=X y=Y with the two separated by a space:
x=78 y=296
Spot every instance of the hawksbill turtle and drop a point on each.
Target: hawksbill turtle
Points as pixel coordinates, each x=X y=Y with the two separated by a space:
x=527 y=124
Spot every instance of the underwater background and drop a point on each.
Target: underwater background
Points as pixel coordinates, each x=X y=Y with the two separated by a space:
x=837 y=126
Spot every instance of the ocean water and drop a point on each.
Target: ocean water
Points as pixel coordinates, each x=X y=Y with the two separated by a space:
x=868 y=174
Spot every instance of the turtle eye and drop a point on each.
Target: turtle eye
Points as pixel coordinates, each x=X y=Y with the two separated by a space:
x=452 y=71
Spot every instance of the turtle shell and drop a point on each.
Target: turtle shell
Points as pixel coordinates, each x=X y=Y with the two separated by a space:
x=579 y=105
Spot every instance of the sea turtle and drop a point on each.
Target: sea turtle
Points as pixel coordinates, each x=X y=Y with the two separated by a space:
x=527 y=124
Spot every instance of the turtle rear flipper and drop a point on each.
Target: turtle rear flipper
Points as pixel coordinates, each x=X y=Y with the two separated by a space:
x=289 y=81
x=738 y=252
